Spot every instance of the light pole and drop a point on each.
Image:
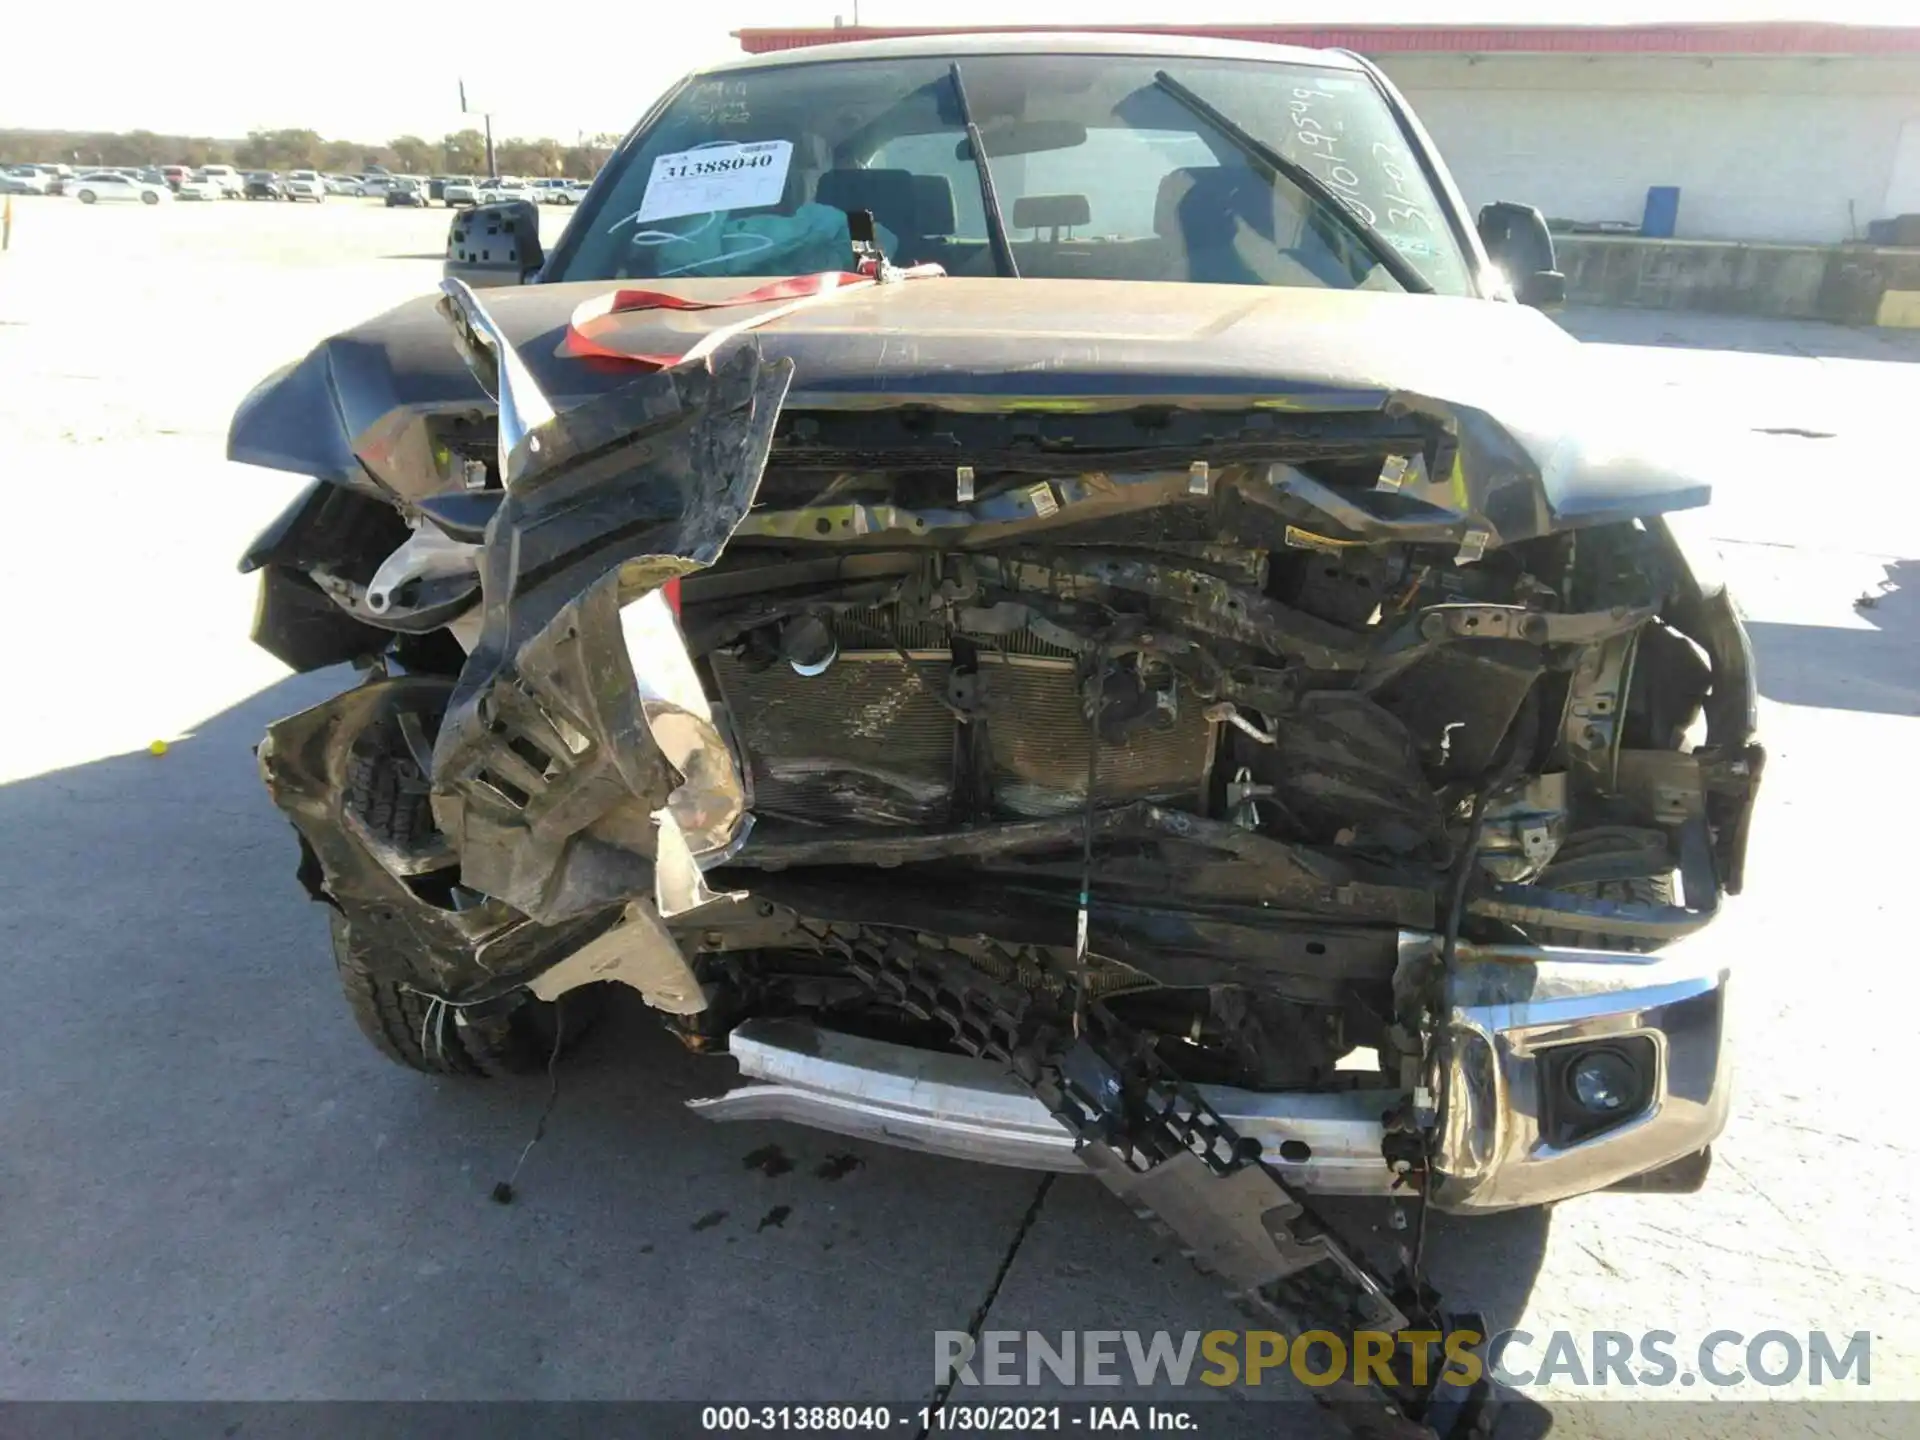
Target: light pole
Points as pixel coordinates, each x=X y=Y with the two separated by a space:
x=486 y=118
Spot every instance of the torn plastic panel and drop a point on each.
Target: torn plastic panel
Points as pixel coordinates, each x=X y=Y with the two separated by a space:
x=639 y=953
x=579 y=756
x=452 y=943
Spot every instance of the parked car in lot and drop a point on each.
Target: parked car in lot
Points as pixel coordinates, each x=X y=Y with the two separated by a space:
x=460 y=190
x=376 y=184
x=174 y=174
x=403 y=190
x=99 y=185
x=559 y=192
x=1181 y=673
x=25 y=180
x=496 y=188
x=350 y=185
x=55 y=177
x=264 y=185
x=230 y=181
x=304 y=185
x=196 y=187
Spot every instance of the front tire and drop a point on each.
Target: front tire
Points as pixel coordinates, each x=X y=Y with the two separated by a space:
x=147 y=197
x=412 y=1029
x=87 y=197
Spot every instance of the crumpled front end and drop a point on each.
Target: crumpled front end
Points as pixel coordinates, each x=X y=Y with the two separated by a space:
x=1529 y=1031
x=1236 y=806
x=574 y=764
x=1284 y=748
x=1515 y=1129
x=578 y=763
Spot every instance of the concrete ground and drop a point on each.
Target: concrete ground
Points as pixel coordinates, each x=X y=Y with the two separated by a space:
x=210 y=1187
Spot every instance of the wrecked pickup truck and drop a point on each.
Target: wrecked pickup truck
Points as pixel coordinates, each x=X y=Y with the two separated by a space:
x=1052 y=598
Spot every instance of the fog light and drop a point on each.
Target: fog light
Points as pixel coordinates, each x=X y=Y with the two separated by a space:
x=1604 y=1082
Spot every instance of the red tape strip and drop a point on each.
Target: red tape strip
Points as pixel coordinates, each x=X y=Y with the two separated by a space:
x=591 y=318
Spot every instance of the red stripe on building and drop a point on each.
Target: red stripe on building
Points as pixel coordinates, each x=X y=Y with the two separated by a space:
x=1784 y=39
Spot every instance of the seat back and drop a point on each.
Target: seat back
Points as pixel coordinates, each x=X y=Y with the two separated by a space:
x=889 y=195
x=1201 y=209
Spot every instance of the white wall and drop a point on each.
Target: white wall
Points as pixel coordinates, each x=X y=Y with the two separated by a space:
x=1761 y=149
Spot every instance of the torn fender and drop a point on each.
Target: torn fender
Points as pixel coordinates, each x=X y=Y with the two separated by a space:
x=466 y=954
x=578 y=734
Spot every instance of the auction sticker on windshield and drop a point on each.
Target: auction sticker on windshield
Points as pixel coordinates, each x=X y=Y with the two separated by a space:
x=725 y=176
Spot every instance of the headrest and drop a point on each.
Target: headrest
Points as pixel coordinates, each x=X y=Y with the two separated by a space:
x=933 y=205
x=890 y=195
x=1174 y=186
x=1195 y=190
x=1037 y=212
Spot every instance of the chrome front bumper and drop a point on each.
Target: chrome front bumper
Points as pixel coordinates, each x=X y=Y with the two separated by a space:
x=1511 y=1007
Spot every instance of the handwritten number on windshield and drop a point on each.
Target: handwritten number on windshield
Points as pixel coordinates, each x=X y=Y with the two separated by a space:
x=1400 y=210
x=1315 y=140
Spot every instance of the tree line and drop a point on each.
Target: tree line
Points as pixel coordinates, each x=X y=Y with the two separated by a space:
x=462 y=153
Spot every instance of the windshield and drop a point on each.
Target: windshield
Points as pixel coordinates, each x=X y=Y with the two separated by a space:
x=1099 y=171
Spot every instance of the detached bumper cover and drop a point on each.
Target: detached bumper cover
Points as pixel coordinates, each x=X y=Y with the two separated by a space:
x=1511 y=1006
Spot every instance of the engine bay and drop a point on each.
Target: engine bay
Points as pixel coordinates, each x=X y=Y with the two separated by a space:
x=1206 y=710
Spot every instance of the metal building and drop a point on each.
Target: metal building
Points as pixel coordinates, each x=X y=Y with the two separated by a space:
x=1771 y=132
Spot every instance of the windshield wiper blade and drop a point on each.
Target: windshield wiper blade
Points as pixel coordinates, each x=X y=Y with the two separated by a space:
x=1261 y=153
x=996 y=222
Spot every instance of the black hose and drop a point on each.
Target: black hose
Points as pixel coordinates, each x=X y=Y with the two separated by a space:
x=1509 y=761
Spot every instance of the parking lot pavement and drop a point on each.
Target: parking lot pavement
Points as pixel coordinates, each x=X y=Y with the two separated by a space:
x=210 y=1187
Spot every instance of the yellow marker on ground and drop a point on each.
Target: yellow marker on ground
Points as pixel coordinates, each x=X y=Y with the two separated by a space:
x=158 y=747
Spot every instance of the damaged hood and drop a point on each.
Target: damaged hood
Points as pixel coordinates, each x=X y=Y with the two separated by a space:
x=1527 y=407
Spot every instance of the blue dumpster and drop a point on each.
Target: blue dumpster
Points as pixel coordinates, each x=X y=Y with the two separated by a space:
x=1662 y=213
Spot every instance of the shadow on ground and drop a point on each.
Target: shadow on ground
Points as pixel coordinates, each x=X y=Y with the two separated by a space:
x=1747 y=334
x=1876 y=669
x=214 y=1188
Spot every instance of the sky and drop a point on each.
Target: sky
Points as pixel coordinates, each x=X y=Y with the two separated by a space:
x=194 y=66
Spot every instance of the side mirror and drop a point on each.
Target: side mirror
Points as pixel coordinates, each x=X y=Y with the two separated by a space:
x=1542 y=289
x=1518 y=241
x=491 y=245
